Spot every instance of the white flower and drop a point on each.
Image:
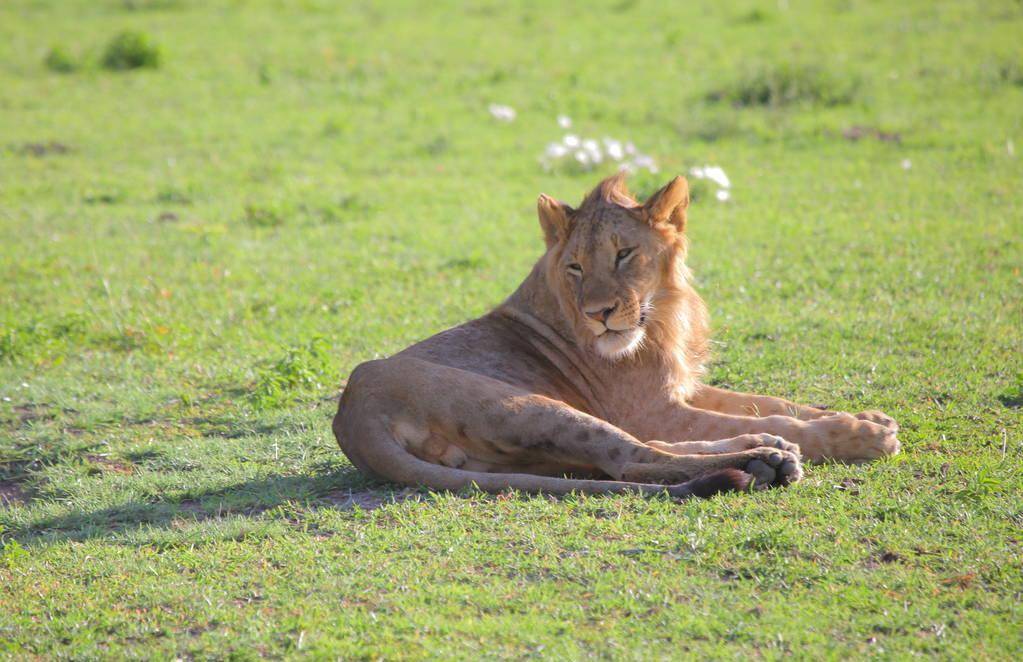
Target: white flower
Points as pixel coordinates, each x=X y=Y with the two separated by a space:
x=614 y=149
x=593 y=148
x=906 y=164
x=564 y=121
x=556 y=151
x=714 y=173
x=502 y=113
x=717 y=175
x=722 y=195
x=644 y=161
x=586 y=153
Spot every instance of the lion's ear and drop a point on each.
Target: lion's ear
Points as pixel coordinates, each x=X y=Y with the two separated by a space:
x=554 y=219
x=669 y=204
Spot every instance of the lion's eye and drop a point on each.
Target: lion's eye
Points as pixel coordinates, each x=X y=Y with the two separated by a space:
x=575 y=269
x=622 y=254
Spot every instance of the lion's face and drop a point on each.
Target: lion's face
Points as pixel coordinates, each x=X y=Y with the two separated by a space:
x=610 y=266
x=608 y=261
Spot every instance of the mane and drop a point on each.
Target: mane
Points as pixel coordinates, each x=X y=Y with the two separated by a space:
x=680 y=328
x=611 y=192
x=678 y=331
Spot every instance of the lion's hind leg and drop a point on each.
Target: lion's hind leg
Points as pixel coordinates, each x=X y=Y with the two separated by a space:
x=374 y=447
x=402 y=467
x=399 y=421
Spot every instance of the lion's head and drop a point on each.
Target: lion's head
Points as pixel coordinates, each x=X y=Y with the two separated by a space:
x=617 y=268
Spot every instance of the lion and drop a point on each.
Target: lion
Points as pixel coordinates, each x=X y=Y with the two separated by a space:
x=588 y=379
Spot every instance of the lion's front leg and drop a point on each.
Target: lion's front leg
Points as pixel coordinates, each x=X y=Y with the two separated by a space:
x=784 y=471
x=737 y=403
x=731 y=445
x=834 y=436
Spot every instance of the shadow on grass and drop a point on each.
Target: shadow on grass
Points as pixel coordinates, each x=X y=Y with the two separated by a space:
x=230 y=427
x=337 y=488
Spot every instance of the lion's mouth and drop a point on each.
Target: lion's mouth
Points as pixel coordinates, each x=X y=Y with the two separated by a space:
x=608 y=331
x=614 y=344
x=646 y=310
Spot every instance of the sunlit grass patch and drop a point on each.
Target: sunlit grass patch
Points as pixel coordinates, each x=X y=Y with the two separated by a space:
x=174 y=241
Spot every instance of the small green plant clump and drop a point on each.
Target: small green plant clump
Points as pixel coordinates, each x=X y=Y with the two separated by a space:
x=1009 y=71
x=60 y=60
x=300 y=369
x=264 y=216
x=788 y=84
x=131 y=50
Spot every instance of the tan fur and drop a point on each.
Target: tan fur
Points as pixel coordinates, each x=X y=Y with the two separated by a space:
x=591 y=368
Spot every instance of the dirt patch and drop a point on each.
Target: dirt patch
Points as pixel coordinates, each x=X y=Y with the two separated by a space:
x=961 y=581
x=11 y=494
x=42 y=149
x=856 y=133
x=30 y=412
x=889 y=557
x=882 y=558
x=192 y=506
x=26 y=414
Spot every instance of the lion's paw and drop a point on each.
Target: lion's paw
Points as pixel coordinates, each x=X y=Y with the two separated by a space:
x=774 y=441
x=879 y=417
x=774 y=468
x=853 y=439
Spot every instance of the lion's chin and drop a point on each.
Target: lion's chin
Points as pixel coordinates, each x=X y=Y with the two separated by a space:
x=619 y=344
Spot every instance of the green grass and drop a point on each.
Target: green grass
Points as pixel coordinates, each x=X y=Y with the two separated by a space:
x=193 y=257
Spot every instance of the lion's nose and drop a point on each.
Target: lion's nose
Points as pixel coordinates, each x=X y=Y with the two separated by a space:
x=602 y=314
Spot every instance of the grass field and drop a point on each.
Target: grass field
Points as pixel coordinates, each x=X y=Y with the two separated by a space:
x=194 y=255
